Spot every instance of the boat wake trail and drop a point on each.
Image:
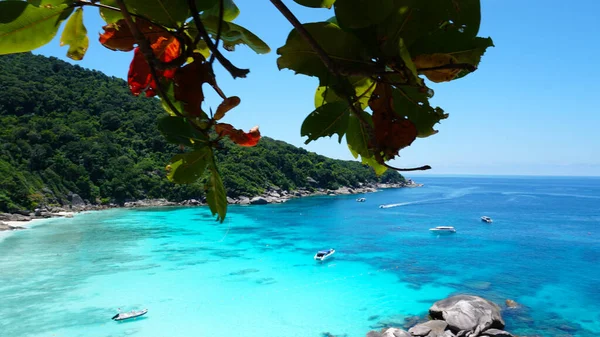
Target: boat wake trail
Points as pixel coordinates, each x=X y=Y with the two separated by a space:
x=452 y=195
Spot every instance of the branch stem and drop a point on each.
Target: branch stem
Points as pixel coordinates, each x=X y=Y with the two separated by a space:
x=148 y=54
x=219 y=29
x=421 y=168
x=465 y=66
x=233 y=70
x=314 y=45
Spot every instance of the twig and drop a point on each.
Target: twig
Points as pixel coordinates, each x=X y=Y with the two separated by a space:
x=233 y=70
x=219 y=28
x=95 y=4
x=465 y=66
x=144 y=46
x=422 y=168
x=306 y=36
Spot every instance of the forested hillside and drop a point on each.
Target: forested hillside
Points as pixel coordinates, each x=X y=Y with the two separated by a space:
x=65 y=129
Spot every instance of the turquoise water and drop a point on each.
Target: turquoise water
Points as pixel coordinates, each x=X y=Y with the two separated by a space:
x=255 y=276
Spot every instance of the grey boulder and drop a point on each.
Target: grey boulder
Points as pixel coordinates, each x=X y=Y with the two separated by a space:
x=468 y=315
x=433 y=328
x=259 y=201
x=496 y=333
x=389 y=332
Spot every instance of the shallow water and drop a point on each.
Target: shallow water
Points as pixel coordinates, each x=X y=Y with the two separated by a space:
x=254 y=275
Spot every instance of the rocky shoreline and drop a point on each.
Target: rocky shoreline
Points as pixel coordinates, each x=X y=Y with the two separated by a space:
x=12 y=221
x=456 y=316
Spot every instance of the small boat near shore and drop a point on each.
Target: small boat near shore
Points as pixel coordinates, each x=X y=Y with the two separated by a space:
x=324 y=254
x=129 y=315
x=486 y=219
x=361 y=199
x=443 y=230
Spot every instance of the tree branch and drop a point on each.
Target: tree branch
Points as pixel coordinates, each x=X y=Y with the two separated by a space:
x=465 y=66
x=422 y=168
x=95 y=4
x=306 y=36
x=233 y=70
x=219 y=28
x=144 y=46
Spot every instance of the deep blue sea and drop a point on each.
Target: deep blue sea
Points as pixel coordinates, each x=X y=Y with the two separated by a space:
x=254 y=275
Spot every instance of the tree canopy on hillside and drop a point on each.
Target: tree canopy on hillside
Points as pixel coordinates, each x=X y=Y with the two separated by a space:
x=372 y=59
x=65 y=129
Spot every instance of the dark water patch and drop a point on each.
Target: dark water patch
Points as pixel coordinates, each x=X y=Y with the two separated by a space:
x=196 y=262
x=266 y=280
x=229 y=254
x=244 y=272
x=143 y=267
x=373 y=317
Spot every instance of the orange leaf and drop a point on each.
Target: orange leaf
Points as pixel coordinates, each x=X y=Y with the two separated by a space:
x=227 y=104
x=392 y=131
x=140 y=78
x=117 y=36
x=239 y=137
x=188 y=84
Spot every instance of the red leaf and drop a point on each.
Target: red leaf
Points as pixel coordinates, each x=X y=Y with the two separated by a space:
x=140 y=78
x=188 y=84
x=238 y=136
x=392 y=131
x=117 y=36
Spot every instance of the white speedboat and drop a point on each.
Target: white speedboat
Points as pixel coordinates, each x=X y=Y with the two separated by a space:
x=486 y=219
x=361 y=199
x=324 y=254
x=128 y=315
x=443 y=229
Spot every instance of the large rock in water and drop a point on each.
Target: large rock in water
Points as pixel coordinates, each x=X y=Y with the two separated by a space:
x=433 y=328
x=390 y=332
x=468 y=315
x=259 y=201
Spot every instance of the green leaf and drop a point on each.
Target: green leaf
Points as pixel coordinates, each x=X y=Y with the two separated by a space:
x=371 y=161
x=169 y=13
x=187 y=168
x=75 y=35
x=232 y=35
x=356 y=14
x=363 y=88
x=357 y=137
x=25 y=27
x=343 y=48
x=326 y=120
x=316 y=3
x=408 y=62
x=464 y=48
x=215 y=191
x=177 y=130
x=412 y=20
x=45 y=3
x=414 y=104
x=230 y=11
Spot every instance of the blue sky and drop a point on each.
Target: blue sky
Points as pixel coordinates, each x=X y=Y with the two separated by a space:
x=529 y=109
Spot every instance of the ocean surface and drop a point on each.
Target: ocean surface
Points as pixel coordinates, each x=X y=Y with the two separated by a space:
x=254 y=275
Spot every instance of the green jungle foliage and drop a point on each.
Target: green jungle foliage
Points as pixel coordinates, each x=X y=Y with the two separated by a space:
x=65 y=129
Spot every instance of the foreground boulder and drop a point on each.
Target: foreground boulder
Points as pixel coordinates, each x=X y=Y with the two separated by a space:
x=435 y=328
x=468 y=315
x=389 y=332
